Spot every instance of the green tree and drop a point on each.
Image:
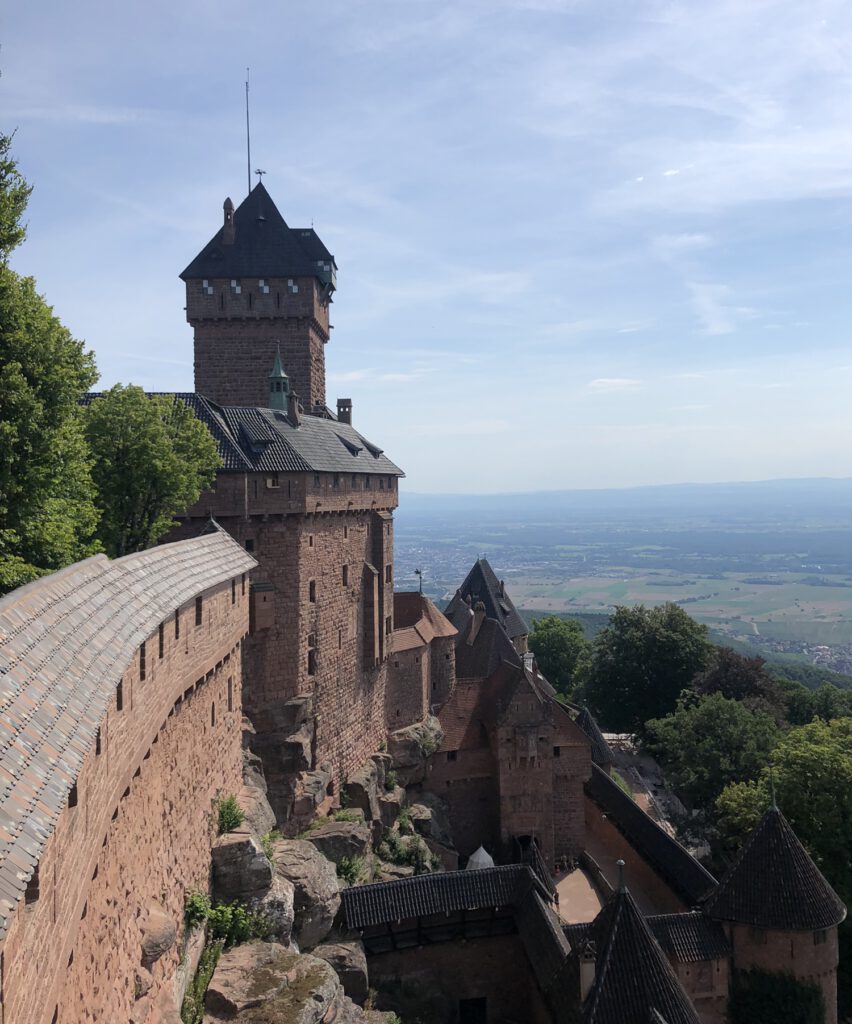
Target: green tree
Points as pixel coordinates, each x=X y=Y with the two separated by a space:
x=560 y=646
x=14 y=194
x=708 y=742
x=813 y=783
x=151 y=459
x=47 y=512
x=743 y=679
x=641 y=662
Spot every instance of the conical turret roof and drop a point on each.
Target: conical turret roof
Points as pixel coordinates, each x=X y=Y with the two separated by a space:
x=634 y=982
x=774 y=884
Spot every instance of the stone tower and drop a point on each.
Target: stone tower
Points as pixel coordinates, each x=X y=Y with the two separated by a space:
x=259 y=286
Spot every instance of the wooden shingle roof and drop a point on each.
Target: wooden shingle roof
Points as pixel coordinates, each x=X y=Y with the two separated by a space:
x=774 y=884
x=65 y=641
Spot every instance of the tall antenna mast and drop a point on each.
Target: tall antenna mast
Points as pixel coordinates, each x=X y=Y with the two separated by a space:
x=248 y=133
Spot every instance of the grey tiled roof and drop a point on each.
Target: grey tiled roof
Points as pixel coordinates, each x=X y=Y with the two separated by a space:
x=669 y=859
x=773 y=883
x=264 y=441
x=689 y=938
x=65 y=641
x=601 y=754
x=443 y=892
x=264 y=245
x=633 y=978
x=481 y=584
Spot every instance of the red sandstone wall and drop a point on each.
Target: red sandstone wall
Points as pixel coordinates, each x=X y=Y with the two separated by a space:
x=496 y=968
x=141 y=829
x=306 y=529
x=408 y=686
x=706 y=984
x=236 y=337
x=607 y=845
x=794 y=952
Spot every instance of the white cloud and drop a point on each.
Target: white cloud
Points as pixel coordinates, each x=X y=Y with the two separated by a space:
x=606 y=385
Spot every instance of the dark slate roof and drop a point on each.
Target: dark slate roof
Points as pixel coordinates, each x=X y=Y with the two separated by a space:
x=601 y=754
x=481 y=584
x=65 y=641
x=670 y=860
x=489 y=650
x=773 y=883
x=443 y=892
x=263 y=246
x=633 y=978
x=264 y=441
x=689 y=938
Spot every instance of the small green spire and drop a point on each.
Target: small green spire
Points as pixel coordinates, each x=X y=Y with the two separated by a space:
x=279 y=384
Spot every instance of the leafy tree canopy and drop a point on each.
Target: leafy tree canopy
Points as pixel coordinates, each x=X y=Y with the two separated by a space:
x=14 y=194
x=47 y=512
x=744 y=679
x=151 y=459
x=641 y=662
x=813 y=784
x=710 y=741
x=560 y=646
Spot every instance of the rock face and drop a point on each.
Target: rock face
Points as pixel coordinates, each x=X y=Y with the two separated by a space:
x=430 y=819
x=390 y=804
x=316 y=892
x=363 y=788
x=277 y=904
x=264 y=982
x=338 y=839
x=241 y=870
x=411 y=748
x=158 y=935
x=349 y=962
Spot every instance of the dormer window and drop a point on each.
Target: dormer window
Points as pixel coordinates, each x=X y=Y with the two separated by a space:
x=206 y=287
x=263 y=287
x=236 y=287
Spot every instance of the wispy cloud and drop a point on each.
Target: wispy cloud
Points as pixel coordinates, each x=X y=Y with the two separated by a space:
x=608 y=385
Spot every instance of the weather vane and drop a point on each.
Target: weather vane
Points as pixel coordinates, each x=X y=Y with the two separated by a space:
x=260 y=174
x=419 y=572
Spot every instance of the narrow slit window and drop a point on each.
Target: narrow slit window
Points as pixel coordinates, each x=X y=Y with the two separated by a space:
x=72 y=796
x=98 y=747
x=312 y=591
x=233 y=591
x=213 y=713
x=31 y=893
x=162 y=639
x=119 y=696
x=230 y=693
x=199 y=611
x=177 y=624
x=142 y=665
x=345 y=575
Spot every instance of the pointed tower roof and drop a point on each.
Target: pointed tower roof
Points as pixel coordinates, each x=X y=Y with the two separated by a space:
x=601 y=754
x=634 y=982
x=481 y=584
x=277 y=372
x=774 y=884
x=263 y=246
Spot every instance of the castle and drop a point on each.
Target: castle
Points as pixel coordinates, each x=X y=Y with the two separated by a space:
x=125 y=683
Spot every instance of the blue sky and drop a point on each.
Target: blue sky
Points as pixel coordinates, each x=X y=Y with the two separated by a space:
x=580 y=244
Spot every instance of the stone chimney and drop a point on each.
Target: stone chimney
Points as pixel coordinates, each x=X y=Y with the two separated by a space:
x=294 y=409
x=228 y=232
x=476 y=625
x=588 y=955
x=502 y=589
x=344 y=410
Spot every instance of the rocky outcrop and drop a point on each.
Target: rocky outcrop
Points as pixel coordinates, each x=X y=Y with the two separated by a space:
x=431 y=820
x=349 y=962
x=277 y=905
x=158 y=935
x=264 y=982
x=316 y=892
x=283 y=738
x=391 y=803
x=364 y=787
x=310 y=792
x=241 y=869
x=337 y=840
x=411 y=748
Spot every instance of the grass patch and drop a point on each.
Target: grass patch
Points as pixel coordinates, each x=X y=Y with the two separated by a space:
x=192 y=1009
x=229 y=814
x=622 y=784
x=350 y=869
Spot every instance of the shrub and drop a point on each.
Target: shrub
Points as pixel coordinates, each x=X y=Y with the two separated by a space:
x=234 y=923
x=192 y=1010
x=404 y=821
x=345 y=814
x=196 y=908
x=392 y=849
x=268 y=843
x=350 y=869
x=390 y=779
x=764 y=997
x=229 y=813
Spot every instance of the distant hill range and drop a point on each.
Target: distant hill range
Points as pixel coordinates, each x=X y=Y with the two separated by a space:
x=818 y=494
